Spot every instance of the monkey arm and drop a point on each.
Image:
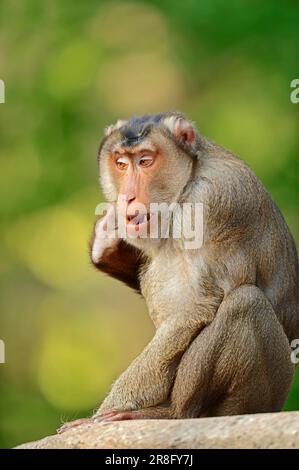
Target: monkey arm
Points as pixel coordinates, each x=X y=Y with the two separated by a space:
x=113 y=255
x=149 y=379
x=122 y=262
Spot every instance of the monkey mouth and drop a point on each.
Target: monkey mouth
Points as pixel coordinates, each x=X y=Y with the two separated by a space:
x=138 y=220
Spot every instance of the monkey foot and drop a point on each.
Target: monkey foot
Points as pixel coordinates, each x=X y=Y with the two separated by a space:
x=74 y=424
x=105 y=416
x=116 y=416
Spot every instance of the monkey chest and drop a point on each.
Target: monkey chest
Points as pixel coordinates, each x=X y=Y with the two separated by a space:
x=168 y=286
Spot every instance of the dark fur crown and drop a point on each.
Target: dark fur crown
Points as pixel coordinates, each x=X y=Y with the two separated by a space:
x=137 y=127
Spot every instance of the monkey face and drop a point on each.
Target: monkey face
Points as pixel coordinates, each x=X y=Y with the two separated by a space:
x=146 y=160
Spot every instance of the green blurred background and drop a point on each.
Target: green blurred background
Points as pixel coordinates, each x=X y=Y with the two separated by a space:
x=70 y=68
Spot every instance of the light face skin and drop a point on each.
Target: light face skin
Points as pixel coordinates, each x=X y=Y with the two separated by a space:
x=134 y=171
x=138 y=174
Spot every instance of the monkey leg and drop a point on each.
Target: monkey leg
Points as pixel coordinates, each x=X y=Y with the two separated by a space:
x=142 y=391
x=149 y=379
x=147 y=383
x=240 y=363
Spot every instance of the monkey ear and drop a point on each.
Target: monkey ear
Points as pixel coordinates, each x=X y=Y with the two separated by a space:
x=182 y=129
x=109 y=130
x=114 y=127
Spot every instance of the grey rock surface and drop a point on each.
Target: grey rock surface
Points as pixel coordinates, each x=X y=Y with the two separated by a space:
x=260 y=431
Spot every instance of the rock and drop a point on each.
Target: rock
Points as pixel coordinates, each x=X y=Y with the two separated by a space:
x=259 y=431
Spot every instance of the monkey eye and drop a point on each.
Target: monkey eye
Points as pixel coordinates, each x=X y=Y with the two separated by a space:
x=145 y=161
x=122 y=163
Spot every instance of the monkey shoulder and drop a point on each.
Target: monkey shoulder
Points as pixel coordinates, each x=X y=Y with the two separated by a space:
x=231 y=193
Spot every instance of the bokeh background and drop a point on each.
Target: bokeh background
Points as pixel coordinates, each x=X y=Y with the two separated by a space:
x=71 y=68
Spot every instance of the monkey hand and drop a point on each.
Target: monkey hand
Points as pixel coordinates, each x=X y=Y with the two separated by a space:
x=113 y=415
x=156 y=412
x=105 y=235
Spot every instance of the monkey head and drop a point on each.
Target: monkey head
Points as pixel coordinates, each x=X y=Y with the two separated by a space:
x=147 y=159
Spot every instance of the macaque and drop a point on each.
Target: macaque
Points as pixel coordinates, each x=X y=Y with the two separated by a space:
x=226 y=311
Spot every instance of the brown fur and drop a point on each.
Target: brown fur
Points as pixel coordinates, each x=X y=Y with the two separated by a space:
x=122 y=262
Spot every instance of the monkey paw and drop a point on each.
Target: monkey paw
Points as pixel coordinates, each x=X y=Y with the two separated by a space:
x=116 y=415
x=74 y=424
x=103 y=417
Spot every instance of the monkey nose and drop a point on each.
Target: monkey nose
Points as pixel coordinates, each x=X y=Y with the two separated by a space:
x=123 y=203
x=126 y=198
